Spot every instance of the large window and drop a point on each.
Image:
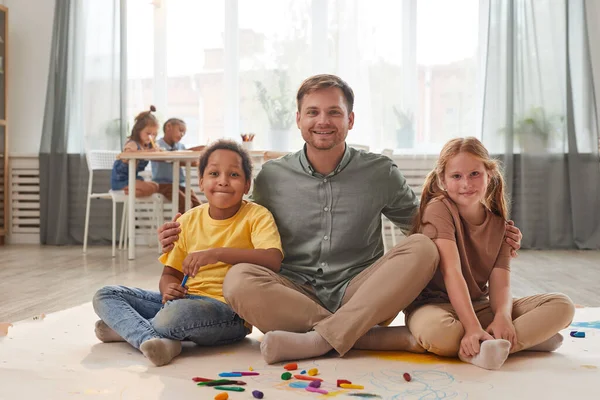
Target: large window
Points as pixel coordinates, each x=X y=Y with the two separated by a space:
x=274 y=57
x=227 y=67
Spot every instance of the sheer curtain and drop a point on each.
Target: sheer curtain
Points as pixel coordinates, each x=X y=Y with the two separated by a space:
x=83 y=111
x=412 y=64
x=540 y=115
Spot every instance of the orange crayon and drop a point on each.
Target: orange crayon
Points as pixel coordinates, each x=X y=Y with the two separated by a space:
x=307 y=378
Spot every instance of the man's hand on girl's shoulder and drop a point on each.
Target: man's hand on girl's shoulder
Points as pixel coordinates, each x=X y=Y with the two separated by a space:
x=513 y=237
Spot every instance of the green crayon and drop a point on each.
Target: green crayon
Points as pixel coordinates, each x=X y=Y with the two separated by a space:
x=230 y=388
x=215 y=382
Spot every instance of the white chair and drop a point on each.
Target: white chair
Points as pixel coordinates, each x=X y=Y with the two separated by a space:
x=98 y=160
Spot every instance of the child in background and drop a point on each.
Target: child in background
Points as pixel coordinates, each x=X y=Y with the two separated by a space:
x=464 y=211
x=162 y=172
x=145 y=127
x=214 y=237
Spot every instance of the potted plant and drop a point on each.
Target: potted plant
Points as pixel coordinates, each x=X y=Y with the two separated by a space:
x=279 y=105
x=535 y=129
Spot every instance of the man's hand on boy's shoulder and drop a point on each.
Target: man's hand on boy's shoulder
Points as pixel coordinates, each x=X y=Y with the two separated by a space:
x=168 y=234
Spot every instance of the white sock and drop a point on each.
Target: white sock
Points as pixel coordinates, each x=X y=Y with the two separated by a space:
x=280 y=346
x=161 y=351
x=549 y=345
x=492 y=354
x=390 y=338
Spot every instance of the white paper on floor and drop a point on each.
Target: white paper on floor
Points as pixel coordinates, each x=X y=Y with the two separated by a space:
x=59 y=357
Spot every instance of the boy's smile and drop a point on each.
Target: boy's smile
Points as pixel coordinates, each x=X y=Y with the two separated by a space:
x=224 y=183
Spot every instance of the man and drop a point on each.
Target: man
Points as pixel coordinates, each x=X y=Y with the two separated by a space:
x=335 y=282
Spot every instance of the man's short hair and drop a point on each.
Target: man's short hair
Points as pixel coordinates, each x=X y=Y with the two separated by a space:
x=325 y=81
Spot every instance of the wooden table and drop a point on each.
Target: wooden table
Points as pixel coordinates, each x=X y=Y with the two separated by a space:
x=176 y=157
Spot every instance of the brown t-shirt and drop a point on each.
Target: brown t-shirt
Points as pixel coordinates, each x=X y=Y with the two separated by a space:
x=481 y=248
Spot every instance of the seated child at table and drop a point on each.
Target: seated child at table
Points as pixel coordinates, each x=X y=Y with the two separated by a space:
x=162 y=172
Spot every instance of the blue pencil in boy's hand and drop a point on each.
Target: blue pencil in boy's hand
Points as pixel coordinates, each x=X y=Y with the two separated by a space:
x=185 y=278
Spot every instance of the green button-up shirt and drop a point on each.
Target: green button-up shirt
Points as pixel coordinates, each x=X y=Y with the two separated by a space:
x=330 y=225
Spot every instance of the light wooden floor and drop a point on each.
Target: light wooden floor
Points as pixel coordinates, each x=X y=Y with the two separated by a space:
x=44 y=279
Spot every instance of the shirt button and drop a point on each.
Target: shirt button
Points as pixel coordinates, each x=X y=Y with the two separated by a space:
x=323 y=264
x=325 y=237
x=325 y=180
x=320 y=272
x=326 y=209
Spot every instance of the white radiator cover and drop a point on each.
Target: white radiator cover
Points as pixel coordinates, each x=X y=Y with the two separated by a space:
x=24 y=200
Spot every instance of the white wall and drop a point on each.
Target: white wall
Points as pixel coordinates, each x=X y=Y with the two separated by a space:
x=29 y=34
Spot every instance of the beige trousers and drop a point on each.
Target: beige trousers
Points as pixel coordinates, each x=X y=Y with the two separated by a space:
x=271 y=302
x=536 y=318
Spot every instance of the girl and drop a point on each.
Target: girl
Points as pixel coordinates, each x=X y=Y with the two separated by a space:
x=464 y=211
x=213 y=238
x=142 y=137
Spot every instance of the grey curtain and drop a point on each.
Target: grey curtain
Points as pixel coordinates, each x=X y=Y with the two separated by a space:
x=540 y=116
x=54 y=161
x=83 y=111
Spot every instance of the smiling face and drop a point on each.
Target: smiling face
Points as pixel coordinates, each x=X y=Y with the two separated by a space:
x=465 y=180
x=324 y=120
x=224 y=183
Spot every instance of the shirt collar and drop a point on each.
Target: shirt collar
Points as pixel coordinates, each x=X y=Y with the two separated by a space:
x=168 y=146
x=310 y=170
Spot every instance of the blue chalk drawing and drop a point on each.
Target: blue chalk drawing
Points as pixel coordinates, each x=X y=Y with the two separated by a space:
x=425 y=385
x=299 y=385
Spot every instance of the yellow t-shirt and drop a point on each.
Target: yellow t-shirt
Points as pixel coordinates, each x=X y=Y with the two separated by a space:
x=252 y=227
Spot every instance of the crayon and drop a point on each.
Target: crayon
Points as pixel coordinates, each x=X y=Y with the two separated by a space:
x=229 y=374
x=230 y=388
x=199 y=379
x=218 y=382
x=351 y=386
x=307 y=378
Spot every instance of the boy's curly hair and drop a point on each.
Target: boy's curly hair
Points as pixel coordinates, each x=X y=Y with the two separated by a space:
x=223 y=144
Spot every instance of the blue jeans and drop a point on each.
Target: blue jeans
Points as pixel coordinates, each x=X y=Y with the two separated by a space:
x=138 y=315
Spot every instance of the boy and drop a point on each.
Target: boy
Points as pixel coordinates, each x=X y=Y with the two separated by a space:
x=162 y=172
x=214 y=238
